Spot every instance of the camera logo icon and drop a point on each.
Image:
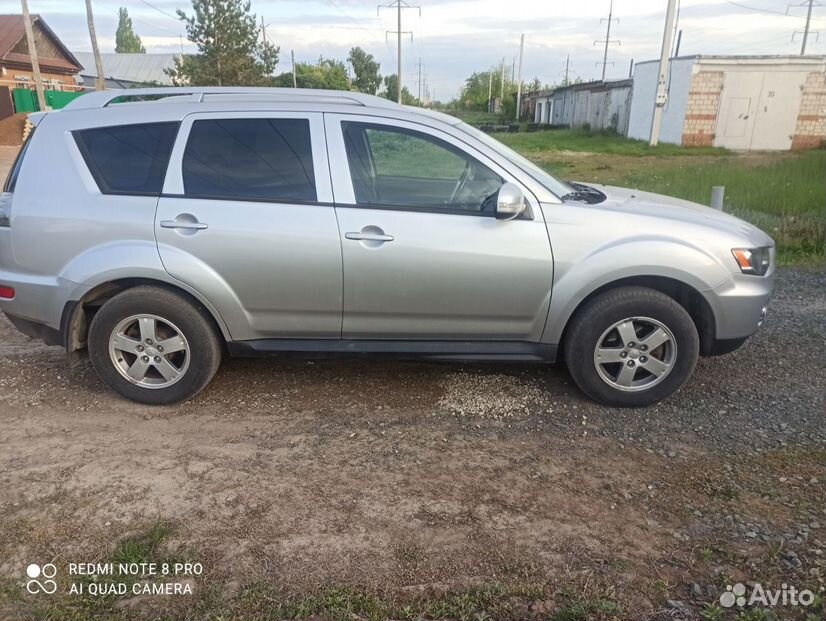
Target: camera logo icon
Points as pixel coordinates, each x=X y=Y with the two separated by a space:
x=41 y=579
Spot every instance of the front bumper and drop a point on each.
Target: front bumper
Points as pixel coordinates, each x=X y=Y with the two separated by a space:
x=739 y=305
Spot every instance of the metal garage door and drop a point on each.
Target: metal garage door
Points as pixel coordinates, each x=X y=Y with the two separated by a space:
x=758 y=110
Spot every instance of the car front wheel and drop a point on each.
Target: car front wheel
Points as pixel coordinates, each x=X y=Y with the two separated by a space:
x=631 y=346
x=153 y=346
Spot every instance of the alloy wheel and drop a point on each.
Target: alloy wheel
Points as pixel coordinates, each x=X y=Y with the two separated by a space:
x=635 y=354
x=149 y=351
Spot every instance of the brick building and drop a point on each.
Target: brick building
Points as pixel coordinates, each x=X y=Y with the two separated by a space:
x=58 y=66
x=737 y=102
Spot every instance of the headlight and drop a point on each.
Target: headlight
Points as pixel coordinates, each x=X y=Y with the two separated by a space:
x=754 y=261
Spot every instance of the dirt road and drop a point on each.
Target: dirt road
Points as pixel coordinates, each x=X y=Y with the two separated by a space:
x=355 y=489
x=408 y=482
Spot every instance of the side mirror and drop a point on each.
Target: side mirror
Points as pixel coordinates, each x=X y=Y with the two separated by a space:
x=510 y=202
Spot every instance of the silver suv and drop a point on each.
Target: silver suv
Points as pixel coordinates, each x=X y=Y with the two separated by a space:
x=158 y=228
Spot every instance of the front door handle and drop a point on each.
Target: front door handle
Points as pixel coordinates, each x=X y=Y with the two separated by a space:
x=376 y=237
x=189 y=226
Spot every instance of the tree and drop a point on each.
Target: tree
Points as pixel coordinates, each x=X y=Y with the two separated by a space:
x=126 y=41
x=366 y=71
x=229 y=50
x=535 y=86
x=326 y=73
x=391 y=90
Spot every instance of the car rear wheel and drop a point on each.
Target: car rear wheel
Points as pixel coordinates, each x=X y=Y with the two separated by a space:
x=154 y=346
x=631 y=347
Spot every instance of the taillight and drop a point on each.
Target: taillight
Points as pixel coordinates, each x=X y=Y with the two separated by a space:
x=6 y=293
x=5 y=208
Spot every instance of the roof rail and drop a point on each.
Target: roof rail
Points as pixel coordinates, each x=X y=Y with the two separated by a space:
x=101 y=99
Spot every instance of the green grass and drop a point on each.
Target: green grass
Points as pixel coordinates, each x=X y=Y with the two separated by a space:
x=529 y=143
x=782 y=193
x=785 y=197
x=476 y=117
x=141 y=548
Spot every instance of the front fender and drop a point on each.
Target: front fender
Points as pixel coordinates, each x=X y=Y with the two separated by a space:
x=576 y=279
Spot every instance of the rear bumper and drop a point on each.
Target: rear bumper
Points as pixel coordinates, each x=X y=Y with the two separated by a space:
x=48 y=335
x=37 y=299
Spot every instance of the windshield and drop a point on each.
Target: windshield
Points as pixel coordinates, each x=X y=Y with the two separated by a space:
x=554 y=185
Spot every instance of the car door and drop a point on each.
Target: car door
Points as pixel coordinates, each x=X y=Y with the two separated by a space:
x=424 y=256
x=246 y=219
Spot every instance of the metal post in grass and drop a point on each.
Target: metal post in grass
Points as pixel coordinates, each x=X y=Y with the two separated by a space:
x=718 y=193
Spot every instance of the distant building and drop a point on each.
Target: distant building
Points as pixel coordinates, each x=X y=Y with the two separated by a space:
x=737 y=102
x=128 y=70
x=600 y=105
x=58 y=66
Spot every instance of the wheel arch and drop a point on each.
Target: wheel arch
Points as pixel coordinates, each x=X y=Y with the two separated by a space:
x=687 y=296
x=77 y=314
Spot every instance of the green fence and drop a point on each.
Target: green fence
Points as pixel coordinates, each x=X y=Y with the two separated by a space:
x=25 y=100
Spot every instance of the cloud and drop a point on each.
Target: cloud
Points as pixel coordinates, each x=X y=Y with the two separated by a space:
x=454 y=38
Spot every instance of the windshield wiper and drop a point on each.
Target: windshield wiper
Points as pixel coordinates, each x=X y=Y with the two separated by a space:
x=584 y=193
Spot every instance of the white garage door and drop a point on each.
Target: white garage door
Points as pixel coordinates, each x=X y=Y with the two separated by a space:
x=758 y=110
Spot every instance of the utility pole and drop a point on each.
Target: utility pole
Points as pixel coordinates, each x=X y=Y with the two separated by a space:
x=420 y=80
x=662 y=81
x=490 y=86
x=502 y=84
x=100 y=82
x=263 y=31
x=806 y=29
x=567 y=64
x=292 y=58
x=399 y=6
x=38 y=81
x=608 y=40
x=519 y=79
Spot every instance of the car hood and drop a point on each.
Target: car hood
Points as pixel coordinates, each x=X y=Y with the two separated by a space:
x=678 y=210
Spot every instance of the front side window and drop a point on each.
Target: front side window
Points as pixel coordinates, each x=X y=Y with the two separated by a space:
x=128 y=159
x=392 y=166
x=269 y=159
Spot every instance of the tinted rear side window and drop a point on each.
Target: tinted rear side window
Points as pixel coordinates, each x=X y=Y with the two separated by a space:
x=128 y=159
x=250 y=159
x=11 y=180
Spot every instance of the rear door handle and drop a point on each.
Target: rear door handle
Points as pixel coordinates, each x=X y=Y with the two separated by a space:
x=378 y=237
x=180 y=224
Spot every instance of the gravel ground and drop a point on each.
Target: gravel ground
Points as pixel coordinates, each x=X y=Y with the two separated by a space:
x=418 y=477
x=411 y=481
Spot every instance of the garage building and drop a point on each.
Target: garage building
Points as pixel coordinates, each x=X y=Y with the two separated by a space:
x=737 y=102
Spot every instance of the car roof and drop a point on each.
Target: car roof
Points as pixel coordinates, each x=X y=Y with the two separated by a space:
x=310 y=99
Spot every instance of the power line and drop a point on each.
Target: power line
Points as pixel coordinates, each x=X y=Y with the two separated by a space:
x=159 y=10
x=149 y=25
x=759 y=10
x=755 y=9
x=341 y=10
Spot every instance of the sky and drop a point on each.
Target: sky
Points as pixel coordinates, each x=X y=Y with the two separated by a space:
x=454 y=38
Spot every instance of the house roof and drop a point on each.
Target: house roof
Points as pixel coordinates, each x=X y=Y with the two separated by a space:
x=140 y=68
x=13 y=30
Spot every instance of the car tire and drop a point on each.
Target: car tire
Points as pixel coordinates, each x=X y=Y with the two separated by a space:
x=154 y=346
x=607 y=355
